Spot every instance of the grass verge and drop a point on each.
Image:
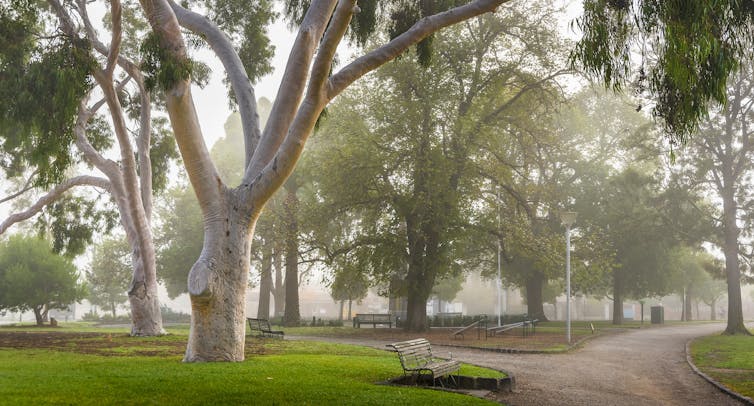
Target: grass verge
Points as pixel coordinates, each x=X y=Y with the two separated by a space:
x=727 y=359
x=277 y=372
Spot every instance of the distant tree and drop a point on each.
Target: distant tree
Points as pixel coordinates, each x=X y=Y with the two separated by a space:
x=32 y=277
x=350 y=283
x=109 y=274
x=689 y=53
x=408 y=138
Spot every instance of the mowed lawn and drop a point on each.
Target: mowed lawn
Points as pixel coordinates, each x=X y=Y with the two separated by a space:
x=727 y=359
x=112 y=368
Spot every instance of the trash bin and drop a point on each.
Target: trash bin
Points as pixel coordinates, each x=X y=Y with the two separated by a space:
x=658 y=315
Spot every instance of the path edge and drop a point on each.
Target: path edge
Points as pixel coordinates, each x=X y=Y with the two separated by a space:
x=718 y=385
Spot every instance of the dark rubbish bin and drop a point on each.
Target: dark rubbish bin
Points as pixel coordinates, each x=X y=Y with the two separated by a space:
x=658 y=315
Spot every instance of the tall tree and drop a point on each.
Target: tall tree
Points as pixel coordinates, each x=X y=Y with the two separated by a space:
x=689 y=51
x=51 y=70
x=408 y=137
x=718 y=158
x=32 y=277
x=217 y=281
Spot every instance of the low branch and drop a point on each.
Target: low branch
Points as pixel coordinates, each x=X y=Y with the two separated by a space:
x=421 y=30
x=52 y=196
x=27 y=187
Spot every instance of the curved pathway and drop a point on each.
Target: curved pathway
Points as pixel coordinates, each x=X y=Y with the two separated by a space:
x=639 y=367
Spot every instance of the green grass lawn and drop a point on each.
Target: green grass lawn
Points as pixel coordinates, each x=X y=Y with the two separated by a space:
x=111 y=371
x=727 y=359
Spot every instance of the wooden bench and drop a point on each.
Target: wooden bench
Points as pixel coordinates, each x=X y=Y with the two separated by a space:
x=373 y=319
x=417 y=360
x=263 y=329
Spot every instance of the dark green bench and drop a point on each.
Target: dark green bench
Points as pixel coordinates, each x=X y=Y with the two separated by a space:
x=261 y=327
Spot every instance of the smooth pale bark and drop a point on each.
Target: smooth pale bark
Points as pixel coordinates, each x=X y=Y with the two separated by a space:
x=217 y=282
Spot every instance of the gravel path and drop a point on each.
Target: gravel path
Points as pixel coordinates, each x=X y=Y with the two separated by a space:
x=638 y=367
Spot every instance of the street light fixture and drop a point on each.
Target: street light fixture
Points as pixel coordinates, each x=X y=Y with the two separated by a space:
x=568 y=218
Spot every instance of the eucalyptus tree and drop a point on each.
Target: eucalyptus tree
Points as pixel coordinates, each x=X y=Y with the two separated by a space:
x=58 y=78
x=217 y=281
x=408 y=137
x=33 y=277
x=718 y=159
x=556 y=159
x=689 y=51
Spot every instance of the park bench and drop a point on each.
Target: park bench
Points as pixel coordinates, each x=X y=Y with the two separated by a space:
x=372 y=318
x=418 y=362
x=261 y=327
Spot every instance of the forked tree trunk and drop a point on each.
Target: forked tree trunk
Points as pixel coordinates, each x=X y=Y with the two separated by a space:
x=217 y=288
x=146 y=318
x=38 y=315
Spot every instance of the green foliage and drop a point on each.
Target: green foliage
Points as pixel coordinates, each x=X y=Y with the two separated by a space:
x=350 y=283
x=42 y=83
x=179 y=239
x=398 y=15
x=32 y=277
x=697 y=45
x=162 y=70
x=162 y=154
x=246 y=22
x=72 y=221
x=109 y=274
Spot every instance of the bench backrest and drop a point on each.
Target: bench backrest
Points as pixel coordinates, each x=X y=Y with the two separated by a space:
x=413 y=353
x=259 y=324
x=373 y=317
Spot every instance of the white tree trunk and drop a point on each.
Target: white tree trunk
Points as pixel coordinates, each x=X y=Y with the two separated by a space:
x=217 y=287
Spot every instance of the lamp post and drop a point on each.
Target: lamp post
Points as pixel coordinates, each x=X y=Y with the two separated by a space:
x=568 y=218
x=499 y=279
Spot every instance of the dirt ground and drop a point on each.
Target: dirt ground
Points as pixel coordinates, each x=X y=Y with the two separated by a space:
x=106 y=344
x=536 y=341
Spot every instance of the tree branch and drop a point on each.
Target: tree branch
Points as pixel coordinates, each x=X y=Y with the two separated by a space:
x=27 y=186
x=239 y=80
x=422 y=29
x=292 y=86
x=53 y=195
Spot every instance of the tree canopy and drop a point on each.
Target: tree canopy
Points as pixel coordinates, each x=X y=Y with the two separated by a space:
x=32 y=277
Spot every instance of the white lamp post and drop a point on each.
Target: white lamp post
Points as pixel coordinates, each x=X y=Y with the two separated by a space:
x=499 y=279
x=568 y=218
